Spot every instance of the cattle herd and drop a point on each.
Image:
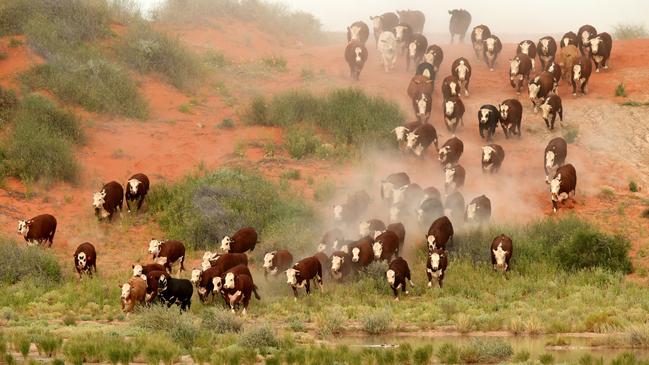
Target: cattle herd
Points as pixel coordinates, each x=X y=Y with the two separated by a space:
x=356 y=241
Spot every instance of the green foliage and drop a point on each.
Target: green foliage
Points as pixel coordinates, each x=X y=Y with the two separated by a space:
x=521 y=356
x=274 y=63
x=485 y=351
x=293 y=174
x=588 y=249
x=422 y=355
x=331 y=322
x=8 y=105
x=570 y=133
x=181 y=329
x=448 y=353
x=630 y=31
x=620 y=90
x=157 y=348
x=70 y=319
x=27 y=264
x=324 y=191
x=260 y=337
x=546 y=359
x=220 y=321
x=85 y=348
x=301 y=142
x=258 y=112
x=633 y=186
x=14 y=42
x=635 y=103
x=48 y=344
x=226 y=123
x=40 y=111
x=376 y=322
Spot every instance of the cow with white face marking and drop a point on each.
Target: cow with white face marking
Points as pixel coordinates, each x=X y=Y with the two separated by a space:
x=136 y=189
x=454 y=207
x=451 y=152
x=528 y=48
x=453 y=113
x=450 y=87
x=511 y=115
x=85 y=259
x=491 y=49
x=546 y=48
x=151 y=279
x=492 y=158
x=387 y=47
x=276 y=262
x=301 y=274
x=341 y=265
x=600 y=50
x=519 y=71
x=175 y=291
x=562 y=185
x=133 y=292
x=356 y=56
x=403 y=33
x=167 y=253
x=239 y=289
x=555 y=69
x=436 y=266
x=362 y=253
x=108 y=200
x=392 y=182
x=569 y=39
x=401 y=133
x=501 y=252
x=397 y=274
x=140 y=270
x=478 y=211
x=551 y=107
x=383 y=23
x=459 y=23
x=421 y=138
x=555 y=155
x=585 y=34
x=434 y=55
x=351 y=211
x=386 y=246
x=478 y=35
x=454 y=178
x=488 y=118
x=243 y=240
x=38 y=230
x=226 y=280
x=410 y=195
x=540 y=87
x=358 y=31
x=461 y=69
x=420 y=91
x=439 y=233
x=426 y=69
x=370 y=228
x=580 y=75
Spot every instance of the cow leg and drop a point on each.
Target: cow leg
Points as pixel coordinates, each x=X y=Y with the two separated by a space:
x=395 y=292
x=505 y=130
x=430 y=278
x=561 y=114
x=583 y=87
x=440 y=281
x=308 y=286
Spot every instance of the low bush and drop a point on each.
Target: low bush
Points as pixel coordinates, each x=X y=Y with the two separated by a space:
x=27 y=263
x=8 y=105
x=85 y=348
x=301 y=142
x=485 y=351
x=633 y=187
x=48 y=343
x=182 y=330
x=159 y=348
x=620 y=90
x=274 y=63
x=220 y=321
x=589 y=249
x=40 y=111
x=331 y=322
x=260 y=337
x=630 y=31
x=376 y=322
x=119 y=350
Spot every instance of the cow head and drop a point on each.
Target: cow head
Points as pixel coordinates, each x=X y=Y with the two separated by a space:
x=377 y=247
x=430 y=58
x=210 y=256
x=525 y=47
x=137 y=270
x=364 y=229
x=500 y=255
x=534 y=90
x=98 y=200
x=462 y=70
x=443 y=153
x=427 y=73
x=154 y=246
x=487 y=153
x=338 y=213
x=453 y=87
x=81 y=260
x=400 y=132
x=514 y=66
x=206 y=264
x=422 y=102
x=268 y=260
x=228 y=282
x=504 y=111
x=594 y=45
x=449 y=174
x=291 y=276
x=386 y=189
x=491 y=44
x=549 y=159
x=449 y=108
x=478 y=33
x=546 y=108
x=400 y=30
x=354 y=31
x=484 y=115
x=217 y=284
x=435 y=258
x=226 y=243
x=576 y=72
x=431 y=243
x=545 y=45
x=585 y=37
x=376 y=22
x=133 y=185
x=358 y=51
x=399 y=195
x=412 y=48
x=471 y=210
x=337 y=263
x=162 y=283
x=126 y=290
x=412 y=140
x=555 y=185
x=356 y=254
x=391 y=276
x=196 y=276
x=23 y=227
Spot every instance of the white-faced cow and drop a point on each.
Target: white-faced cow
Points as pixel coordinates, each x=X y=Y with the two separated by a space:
x=358 y=31
x=528 y=48
x=410 y=195
x=108 y=200
x=546 y=48
x=554 y=156
x=580 y=75
x=600 y=50
x=478 y=211
x=355 y=55
x=454 y=178
x=551 y=107
x=341 y=265
x=426 y=69
x=585 y=33
x=478 y=35
x=38 y=230
x=392 y=182
x=434 y=55
x=519 y=71
x=540 y=87
x=239 y=289
x=569 y=39
x=511 y=115
x=501 y=252
x=362 y=253
x=370 y=228
x=351 y=211
x=461 y=69
x=397 y=274
x=436 y=266
x=277 y=261
x=167 y=253
x=450 y=87
x=243 y=240
x=85 y=259
x=555 y=69
x=454 y=207
x=451 y=152
x=453 y=113
x=401 y=133
x=459 y=23
x=492 y=158
x=439 y=233
x=416 y=50
x=403 y=33
x=491 y=49
x=563 y=183
x=151 y=279
x=420 y=91
x=421 y=138
x=383 y=23
x=415 y=18
x=136 y=189
x=133 y=292
x=488 y=118
x=386 y=246
x=387 y=47
x=301 y=274
x=139 y=270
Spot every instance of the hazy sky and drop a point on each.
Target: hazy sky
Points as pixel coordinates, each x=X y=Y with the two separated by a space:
x=502 y=16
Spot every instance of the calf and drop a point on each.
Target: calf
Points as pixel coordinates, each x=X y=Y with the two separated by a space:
x=403 y=33
x=302 y=272
x=175 y=291
x=550 y=108
x=206 y=279
x=362 y=253
x=239 y=289
x=429 y=210
x=450 y=87
x=501 y=252
x=566 y=58
x=136 y=189
x=540 y=87
x=527 y=47
x=241 y=241
x=421 y=138
x=416 y=50
x=580 y=74
x=479 y=210
x=436 y=266
x=277 y=261
x=519 y=71
x=139 y=270
x=358 y=31
x=356 y=56
x=108 y=201
x=451 y=152
x=38 y=230
x=461 y=69
x=600 y=50
x=492 y=47
x=167 y=253
x=434 y=55
x=555 y=155
x=383 y=23
x=426 y=69
x=585 y=33
x=454 y=177
x=392 y=182
x=341 y=265
x=563 y=183
x=133 y=292
x=492 y=158
x=454 y=207
x=569 y=39
x=353 y=208
x=453 y=113
x=488 y=117
x=85 y=259
x=420 y=91
x=555 y=69
x=370 y=228
x=386 y=245
x=400 y=231
x=511 y=114
x=478 y=35
x=397 y=274
x=546 y=48
x=459 y=23
x=402 y=131
x=387 y=47
x=439 y=234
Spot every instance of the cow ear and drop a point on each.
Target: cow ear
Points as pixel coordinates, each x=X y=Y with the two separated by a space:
x=133 y=266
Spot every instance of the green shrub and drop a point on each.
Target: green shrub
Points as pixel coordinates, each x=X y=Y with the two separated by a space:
x=260 y=337
x=181 y=329
x=119 y=350
x=630 y=31
x=85 y=348
x=633 y=187
x=589 y=249
x=226 y=123
x=159 y=348
x=521 y=356
x=331 y=322
x=258 y=111
x=293 y=174
x=570 y=133
x=448 y=353
x=70 y=319
x=546 y=359
x=620 y=90
x=8 y=105
x=376 y=322
x=486 y=351
x=40 y=111
x=220 y=321
x=274 y=63
x=14 y=42
x=324 y=191
x=422 y=355
x=48 y=344
x=301 y=142
x=27 y=263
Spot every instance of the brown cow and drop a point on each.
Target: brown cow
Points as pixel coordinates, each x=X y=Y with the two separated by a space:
x=551 y=107
x=454 y=178
x=341 y=265
x=540 y=87
x=436 y=266
x=451 y=152
x=459 y=23
x=478 y=35
x=242 y=241
x=167 y=253
x=563 y=183
x=556 y=71
x=362 y=253
x=434 y=55
x=239 y=289
x=38 y=230
x=519 y=71
x=492 y=158
x=580 y=74
x=546 y=49
x=501 y=252
x=569 y=39
x=416 y=50
x=139 y=270
x=402 y=131
x=397 y=274
x=386 y=245
x=461 y=69
x=331 y=240
x=133 y=292
x=400 y=230
x=421 y=138
x=358 y=31
x=151 y=278
x=370 y=228
x=491 y=49
x=450 y=87
x=554 y=156
x=453 y=113
x=439 y=233
x=277 y=261
x=566 y=58
x=585 y=33
x=302 y=272
x=108 y=201
x=137 y=188
x=420 y=92
x=392 y=182
x=356 y=56
x=354 y=207
x=528 y=48
x=85 y=259
x=511 y=114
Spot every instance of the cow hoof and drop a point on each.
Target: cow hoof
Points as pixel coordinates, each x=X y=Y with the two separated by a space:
x=554 y=210
x=597 y=70
x=430 y=285
x=232 y=310
x=396 y=299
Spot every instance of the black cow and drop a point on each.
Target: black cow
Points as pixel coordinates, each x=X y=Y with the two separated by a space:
x=459 y=23
x=175 y=291
x=488 y=117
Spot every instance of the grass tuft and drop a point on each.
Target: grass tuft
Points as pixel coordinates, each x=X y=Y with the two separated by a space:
x=620 y=90
x=30 y=264
x=376 y=322
x=633 y=187
x=260 y=337
x=220 y=321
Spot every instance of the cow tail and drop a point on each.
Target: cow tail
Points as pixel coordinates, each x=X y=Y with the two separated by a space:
x=254 y=290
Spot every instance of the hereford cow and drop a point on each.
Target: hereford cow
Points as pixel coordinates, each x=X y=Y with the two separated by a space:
x=439 y=234
x=501 y=252
x=416 y=50
x=459 y=23
x=355 y=55
x=358 y=31
x=546 y=49
x=421 y=138
x=569 y=39
x=511 y=114
x=136 y=189
x=38 y=230
x=225 y=281
x=420 y=91
x=341 y=265
x=580 y=74
x=387 y=46
x=519 y=71
x=108 y=201
x=431 y=192
x=370 y=228
x=555 y=69
x=354 y=207
x=584 y=34
x=167 y=253
x=362 y=253
x=429 y=210
x=492 y=158
x=491 y=49
x=403 y=33
x=554 y=156
x=454 y=207
x=426 y=69
x=397 y=274
x=478 y=35
x=239 y=289
x=453 y=113
x=566 y=58
x=563 y=183
x=85 y=259
x=243 y=240
x=527 y=47
x=451 y=152
x=540 y=87
x=302 y=272
x=415 y=18
x=436 y=266
x=400 y=231
x=450 y=87
x=227 y=260
x=461 y=69
x=479 y=210
x=551 y=107
x=600 y=50
x=133 y=292
x=488 y=117
x=402 y=131
x=277 y=261
x=204 y=281
x=331 y=240
x=383 y=23
x=386 y=245
x=454 y=177
x=392 y=182
x=175 y=291
x=139 y=270
x=434 y=55
x=151 y=278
